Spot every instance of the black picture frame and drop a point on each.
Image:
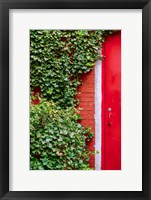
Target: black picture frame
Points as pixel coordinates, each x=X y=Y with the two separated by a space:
x=5 y=5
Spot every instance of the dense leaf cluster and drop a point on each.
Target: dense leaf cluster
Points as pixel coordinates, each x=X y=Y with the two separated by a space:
x=58 y=141
x=59 y=57
x=57 y=60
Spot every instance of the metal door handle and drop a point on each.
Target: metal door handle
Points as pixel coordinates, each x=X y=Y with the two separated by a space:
x=109 y=116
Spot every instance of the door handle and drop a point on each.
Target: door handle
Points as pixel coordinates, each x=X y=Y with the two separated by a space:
x=109 y=116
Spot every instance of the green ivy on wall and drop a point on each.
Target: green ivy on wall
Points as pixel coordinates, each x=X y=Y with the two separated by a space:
x=58 y=141
x=58 y=58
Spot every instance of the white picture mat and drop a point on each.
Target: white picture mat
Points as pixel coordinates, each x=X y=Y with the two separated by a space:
x=130 y=177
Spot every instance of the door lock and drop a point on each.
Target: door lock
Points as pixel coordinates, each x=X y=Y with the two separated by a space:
x=109 y=116
x=109 y=109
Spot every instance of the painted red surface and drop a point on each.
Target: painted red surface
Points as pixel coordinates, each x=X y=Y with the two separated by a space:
x=86 y=98
x=87 y=104
x=111 y=98
x=36 y=92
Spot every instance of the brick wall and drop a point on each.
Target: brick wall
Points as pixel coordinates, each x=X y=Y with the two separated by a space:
x=87 y=103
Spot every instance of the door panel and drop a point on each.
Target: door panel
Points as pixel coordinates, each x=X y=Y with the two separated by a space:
x=111 y=103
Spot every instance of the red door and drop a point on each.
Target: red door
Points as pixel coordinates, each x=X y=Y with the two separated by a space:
x=111 y=103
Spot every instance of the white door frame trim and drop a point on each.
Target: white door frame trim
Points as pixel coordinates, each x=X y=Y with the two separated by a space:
x=98 y=101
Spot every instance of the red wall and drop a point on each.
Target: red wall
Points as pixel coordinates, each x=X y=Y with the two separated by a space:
x=86 y=98
x=111 y=135
x=87 y=104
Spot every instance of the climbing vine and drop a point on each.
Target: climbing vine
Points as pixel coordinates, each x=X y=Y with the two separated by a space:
x=58 y=58
x=58 y=141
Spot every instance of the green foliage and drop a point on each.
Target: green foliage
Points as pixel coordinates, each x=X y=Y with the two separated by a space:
x=59 y=57
x=58 y=141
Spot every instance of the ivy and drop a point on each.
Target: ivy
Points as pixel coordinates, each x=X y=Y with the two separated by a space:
x=58 y=141
x=58 y=58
